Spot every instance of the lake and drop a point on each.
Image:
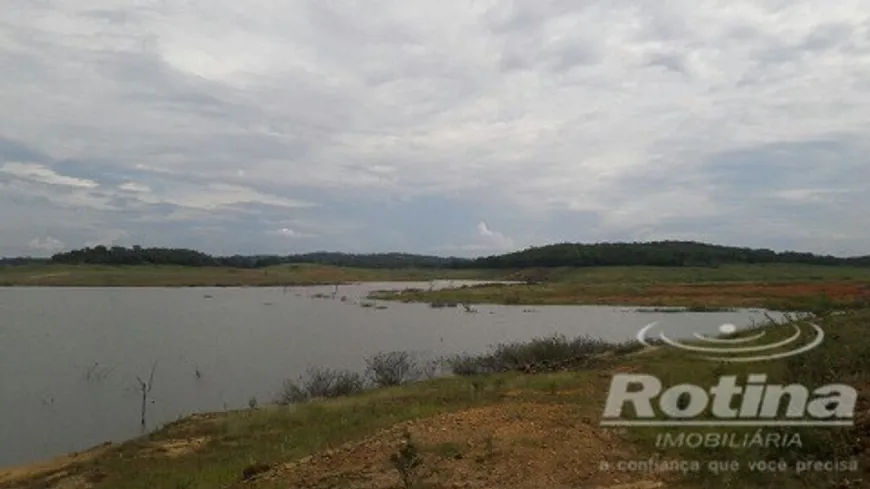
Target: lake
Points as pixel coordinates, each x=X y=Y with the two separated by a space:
x=70 y=357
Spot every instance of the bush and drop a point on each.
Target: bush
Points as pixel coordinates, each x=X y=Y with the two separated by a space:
x=407 y=461
x=292 y=393
x=321 y=383
x=393 y=368
x=517 y=355
x=628 y=348
x=466 y=365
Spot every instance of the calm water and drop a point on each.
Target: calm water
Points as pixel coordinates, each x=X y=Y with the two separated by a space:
x=69 y=357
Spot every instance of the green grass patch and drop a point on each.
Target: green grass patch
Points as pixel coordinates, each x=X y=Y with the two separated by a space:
x=843 y=357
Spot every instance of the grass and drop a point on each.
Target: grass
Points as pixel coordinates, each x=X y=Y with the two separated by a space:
x=785 y=272
x=700 y=289
x=256 y=440
x=177 y=276
x=844 y=357
x=776 y=287
x=238 y=440
x=309 y=274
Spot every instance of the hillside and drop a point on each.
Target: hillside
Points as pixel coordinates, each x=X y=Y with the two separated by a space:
x=660 y=253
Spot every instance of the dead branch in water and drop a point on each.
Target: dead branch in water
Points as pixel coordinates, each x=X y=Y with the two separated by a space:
x=145 y=389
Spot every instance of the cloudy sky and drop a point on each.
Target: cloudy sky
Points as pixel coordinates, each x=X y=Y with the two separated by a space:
x=444 y=127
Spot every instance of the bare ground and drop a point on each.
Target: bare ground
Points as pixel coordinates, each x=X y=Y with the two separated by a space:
x=56 y=467
x=517 y=445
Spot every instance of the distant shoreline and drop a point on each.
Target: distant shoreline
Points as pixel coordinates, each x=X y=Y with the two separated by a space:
x=55 y=275
x=770 y=286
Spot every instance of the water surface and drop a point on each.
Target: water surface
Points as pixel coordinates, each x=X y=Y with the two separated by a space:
x=69 y=357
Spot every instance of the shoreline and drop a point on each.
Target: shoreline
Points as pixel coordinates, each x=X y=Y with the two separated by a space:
x=475 y=424
x=176 y=276
x=773 y=287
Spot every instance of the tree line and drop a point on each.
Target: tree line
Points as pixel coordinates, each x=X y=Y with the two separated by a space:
x=659 y=253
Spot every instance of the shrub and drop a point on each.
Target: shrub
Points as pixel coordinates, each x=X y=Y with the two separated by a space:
x=407 y=461
x=517 y=355
x=628 y=348
x=465 y=365
x=321 y=383
x=393 y=368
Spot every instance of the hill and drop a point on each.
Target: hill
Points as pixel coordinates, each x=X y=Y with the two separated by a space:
x=659 y=253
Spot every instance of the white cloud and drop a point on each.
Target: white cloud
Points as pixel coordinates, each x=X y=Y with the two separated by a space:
x=215 y=195
x=809 y=195
x=485 y=240
x=536 y=111
x=493 y=239
x=46 y=244
x=39 y=173
x=134 y=187
x=291 y=233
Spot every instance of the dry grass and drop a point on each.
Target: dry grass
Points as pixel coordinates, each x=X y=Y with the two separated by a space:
x=785 y=294
x=176 y=276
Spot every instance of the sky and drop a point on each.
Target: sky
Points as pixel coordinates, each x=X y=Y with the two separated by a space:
x=460 y=128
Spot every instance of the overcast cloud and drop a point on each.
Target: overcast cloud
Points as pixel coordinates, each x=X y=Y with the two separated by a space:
x=466 y=127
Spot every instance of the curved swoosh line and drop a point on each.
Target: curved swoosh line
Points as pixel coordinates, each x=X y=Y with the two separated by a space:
x=641 y=335
x=809 y=346
x=744 y=349
x=730 y=340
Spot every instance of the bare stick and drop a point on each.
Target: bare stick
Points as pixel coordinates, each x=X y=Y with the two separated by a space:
x=145 y=388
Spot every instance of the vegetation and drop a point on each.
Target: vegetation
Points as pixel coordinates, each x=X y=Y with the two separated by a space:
x=659 y=253
x=180 y=276
x=393 y=368
x=698 y=289
x=407 y=461
x=844 y=357
x=538 y=354
x=321 y=383
x=137 y=255
x=498 y=429
x=606 y=273
x=21 y=261
x=382 y=370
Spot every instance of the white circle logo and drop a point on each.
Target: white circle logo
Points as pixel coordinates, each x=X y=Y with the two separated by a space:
x=728 y=349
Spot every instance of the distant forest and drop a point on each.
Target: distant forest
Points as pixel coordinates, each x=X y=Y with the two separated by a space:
x=660 y=253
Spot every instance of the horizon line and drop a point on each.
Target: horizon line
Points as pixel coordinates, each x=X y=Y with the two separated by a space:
x=433 y=254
